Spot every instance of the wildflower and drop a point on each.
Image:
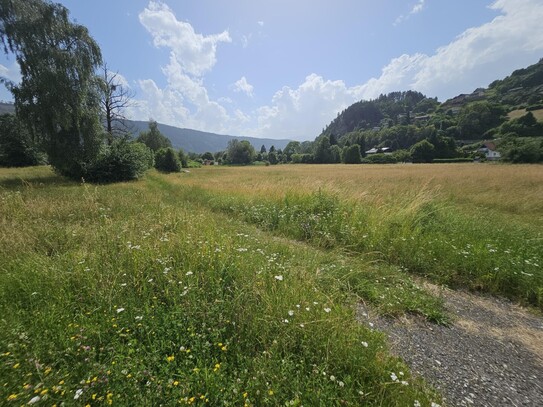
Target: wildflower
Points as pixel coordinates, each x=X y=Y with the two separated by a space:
x=285 y=321
x=119 y=310
x=217 y=367
x=189 y=273
x=341 y=384
x=223 y=348
x=279 y=278
x=405 y=383
x=170 y=358
x=138 y=318
x=302 y=326
x=176 y=383
x=78 y=394
x=12 y=397
x=109 y=398
x=416 y=403
x=333 y=378
x=364 y=344
x=270 y=392
x=34 y=400
x=16 y=365
x=394 y=377
x=291 y=313
x=327 y=310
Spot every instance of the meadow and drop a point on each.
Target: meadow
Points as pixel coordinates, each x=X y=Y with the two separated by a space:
x=240 y=285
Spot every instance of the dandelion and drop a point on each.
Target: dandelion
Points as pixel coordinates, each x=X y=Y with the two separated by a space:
x=279 y=278
x=176 y=383
x=333 y=378
x=16 y=365
x=217 y=367
x=270 y=392
x=341 y=384
x=170 y=358
x=12 y=397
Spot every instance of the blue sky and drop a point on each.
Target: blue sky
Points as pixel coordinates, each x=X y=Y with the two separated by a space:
x=285 y=68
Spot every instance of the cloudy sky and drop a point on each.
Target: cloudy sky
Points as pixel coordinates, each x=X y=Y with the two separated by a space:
x=285 y=68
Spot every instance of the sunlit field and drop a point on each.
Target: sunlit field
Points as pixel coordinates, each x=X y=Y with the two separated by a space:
x=141 y=294
x=239 y=285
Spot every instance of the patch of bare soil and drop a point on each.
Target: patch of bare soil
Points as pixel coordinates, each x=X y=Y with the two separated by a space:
x=490 y=355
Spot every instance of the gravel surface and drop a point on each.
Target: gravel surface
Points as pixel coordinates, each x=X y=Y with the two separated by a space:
x=491 y=354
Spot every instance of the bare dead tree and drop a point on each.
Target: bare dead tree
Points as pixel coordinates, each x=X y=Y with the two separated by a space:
x=116 y=98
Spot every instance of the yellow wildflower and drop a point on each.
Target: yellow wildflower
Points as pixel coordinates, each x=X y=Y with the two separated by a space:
x=170 y=358
x=12 y=397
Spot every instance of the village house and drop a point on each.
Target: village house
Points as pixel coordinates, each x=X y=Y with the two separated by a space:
x=488 y=148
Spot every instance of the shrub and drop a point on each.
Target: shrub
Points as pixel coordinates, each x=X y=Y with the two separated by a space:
x=166 y=160
x=120 y=161
x=16 y=147
x=351 y=154
x=452 y=160
x=380 y=159
x=302 y=158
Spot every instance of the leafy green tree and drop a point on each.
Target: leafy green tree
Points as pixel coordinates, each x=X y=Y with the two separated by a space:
x=208 y=156
x=16 y=146
x=323 y=154
x=240 y=152
x=166 y=160
x=263 y=149
x=351 y=154
x=272 y=149
x=272 y=158
x=423 y=152
x=183 y=158
x=292 y=147
x=57 y=96
x=477 y=118
x=153 y=138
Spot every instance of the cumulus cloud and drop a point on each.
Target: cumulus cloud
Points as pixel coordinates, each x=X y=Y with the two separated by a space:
x=243 y=86
x=196 y=52
x=12 y=73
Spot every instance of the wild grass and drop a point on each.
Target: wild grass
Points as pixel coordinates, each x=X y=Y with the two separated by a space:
x=139 y=294
x=472 y=226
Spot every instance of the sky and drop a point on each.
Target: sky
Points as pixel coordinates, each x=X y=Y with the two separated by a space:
x=284 y=69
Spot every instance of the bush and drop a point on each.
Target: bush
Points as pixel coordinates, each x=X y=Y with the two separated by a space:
x=120 y=161
x=166 y=160
x=16 y=147
x=302 y=158
x=379 y=159
x=351 y=154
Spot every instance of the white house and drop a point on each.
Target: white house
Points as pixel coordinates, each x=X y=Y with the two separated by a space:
x=488 y=148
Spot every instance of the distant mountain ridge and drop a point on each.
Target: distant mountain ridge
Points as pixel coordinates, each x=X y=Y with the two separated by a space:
x=196 y=141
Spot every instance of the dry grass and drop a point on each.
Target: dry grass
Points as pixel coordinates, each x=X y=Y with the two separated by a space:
x=515 y=114
x=513 y=191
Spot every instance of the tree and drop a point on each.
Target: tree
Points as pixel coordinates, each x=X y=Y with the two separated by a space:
x=272 y=158
x=292 y=147
x=272 y=149
x=351 y=154
x=153 y=138
x=263 y=149
x=56 y=98
x=208 y=156
x=115 y=98
x=16 y=147
x=166 y=160
x=422 y=152
x=240 y=152
x=323 y=154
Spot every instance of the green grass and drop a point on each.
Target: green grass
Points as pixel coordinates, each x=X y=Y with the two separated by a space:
x=144 y=294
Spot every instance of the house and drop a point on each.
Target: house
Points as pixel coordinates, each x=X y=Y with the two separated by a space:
x=382 y=150
x=488 y=148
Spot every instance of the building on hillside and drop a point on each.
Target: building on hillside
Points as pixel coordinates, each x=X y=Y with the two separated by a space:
x=488 y=148
x=377 y=150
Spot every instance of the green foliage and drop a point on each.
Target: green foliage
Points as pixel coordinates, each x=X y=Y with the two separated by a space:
x=452 y=160
x=293 y=147
x=240 y=152
x=272 y=158
x=524 y=126
x=153 y=138
x=208 y=156
x=166 y=160
x=477 y=118
x=521 y=150
x=16 y=146
x=302 y=158
x=380 y=159
x=183 y=158
x=423 y=152
x=351 y=154
x=57 y=97
x=120 y=161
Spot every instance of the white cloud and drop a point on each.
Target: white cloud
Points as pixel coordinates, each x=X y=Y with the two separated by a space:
x=260 y=23
x=243 y=86
x=196 y=52
x=417 y=8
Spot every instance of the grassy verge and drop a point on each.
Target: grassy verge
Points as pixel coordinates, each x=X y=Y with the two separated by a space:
x=130 y=295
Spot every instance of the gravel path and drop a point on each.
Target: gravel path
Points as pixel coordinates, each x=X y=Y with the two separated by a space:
x=491 y=354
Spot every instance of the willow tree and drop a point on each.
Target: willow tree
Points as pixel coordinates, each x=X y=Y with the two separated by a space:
x=57 y=97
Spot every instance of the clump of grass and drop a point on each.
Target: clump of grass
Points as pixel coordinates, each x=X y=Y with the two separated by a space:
x=129 y=295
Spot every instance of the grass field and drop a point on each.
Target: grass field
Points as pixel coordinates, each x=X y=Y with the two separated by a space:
x=238 y=286
x=538 y=114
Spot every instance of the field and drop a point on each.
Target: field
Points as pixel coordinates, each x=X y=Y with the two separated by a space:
x=239 y=285
x=515 y=114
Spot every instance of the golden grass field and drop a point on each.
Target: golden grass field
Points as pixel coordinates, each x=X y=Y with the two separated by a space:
x=502 y=190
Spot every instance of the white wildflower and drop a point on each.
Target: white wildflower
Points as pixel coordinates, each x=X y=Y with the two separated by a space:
x=291 y=313
x=78 y=393
x=279 y=278
x=394 y=377
x=119 y=310
x=365 y=344
x=34 y=400
x=327 y=310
